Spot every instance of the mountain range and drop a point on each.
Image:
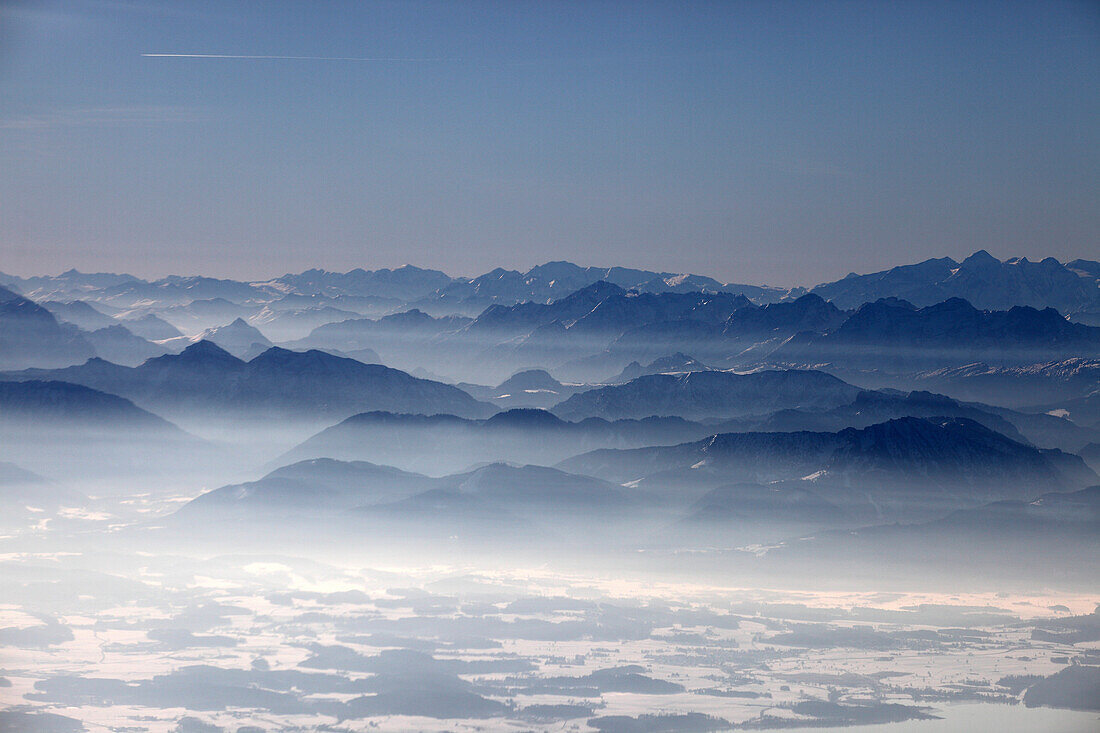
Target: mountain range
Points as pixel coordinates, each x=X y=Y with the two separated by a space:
x=31 y=335
x=869 y=407
x=72 y=405
x=709 y=394
x=584 y=323
x=359 y=493
x=206 y=379
x=900 y=395
x=741 y=487
x=990 y=284
x=894 y=335
x=538 y=436
x=1045 y=385
x=524 y=436
x=76 y=434
x=903 y=469
x=530 y=388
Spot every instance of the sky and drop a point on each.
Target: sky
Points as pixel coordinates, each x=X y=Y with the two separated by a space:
x=786 y=143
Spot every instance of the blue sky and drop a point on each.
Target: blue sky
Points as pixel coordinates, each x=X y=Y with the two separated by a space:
x=778 y=142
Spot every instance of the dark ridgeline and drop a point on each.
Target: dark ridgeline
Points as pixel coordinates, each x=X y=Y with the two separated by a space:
x=206 y=379
x=981 y=279
x=538 y=436
x=709 y=394
x=31 y=335
x=893 y=335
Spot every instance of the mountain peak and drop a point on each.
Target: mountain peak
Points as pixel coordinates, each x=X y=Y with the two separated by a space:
x=530 y=379
x=524 y=418
x=981 y=258
x=884 y=303
x=554 y=270
x=955 y=304
x=278 y=356
x=238 y=326
x=239 y=337
x=412 y=316
x=205 y=350
x=599 y=290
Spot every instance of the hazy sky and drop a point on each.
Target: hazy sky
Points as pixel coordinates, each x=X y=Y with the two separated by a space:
x=787 y=143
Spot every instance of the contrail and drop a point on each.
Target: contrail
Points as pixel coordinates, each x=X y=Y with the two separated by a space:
x=282 y=58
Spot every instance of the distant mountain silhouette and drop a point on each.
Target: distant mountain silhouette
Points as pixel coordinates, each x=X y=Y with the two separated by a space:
x=119 y=345
x=530 y=388
x=204 y=378
x=1049 y=383
x=748 y=329
x=177 y=290
x=238 y=338
x=899 y=469
x=603 y=308
x=67 y=286
x=531 y=379
x=194 y=317
x=35 y=402
x=30 y=336
x=678 y=362
x=894 y=335
x=80 y=314
x=73 y=433
x=554 y=280
x=581 y=324
x=698 y=395
x=585 y=323
x=406 y=283
x=538 y=436
x=281 y=323
x=536 y=488
x=870 y=407
x=496 y=494
x=408 y=337
x=520 y=435
x=151 y=327
x=981 y=279
x=309 y=486
x=429 y=289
